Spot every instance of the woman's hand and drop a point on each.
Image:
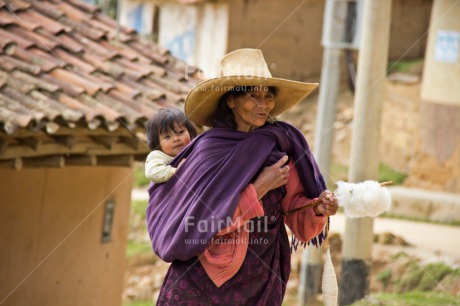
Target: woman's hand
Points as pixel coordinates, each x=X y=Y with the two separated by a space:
x=272 y=177
x=328 y=206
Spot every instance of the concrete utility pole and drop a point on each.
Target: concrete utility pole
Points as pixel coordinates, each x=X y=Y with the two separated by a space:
x=364 y=160
x=310 y=275
x=330 y=79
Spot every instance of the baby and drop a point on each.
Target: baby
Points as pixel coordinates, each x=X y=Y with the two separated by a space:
x=168 y=132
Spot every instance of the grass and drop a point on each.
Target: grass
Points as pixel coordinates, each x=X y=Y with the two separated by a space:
x=414 y=298
x=138 y=303
x=386 y=173
x=424 y=220
x=139 y=179
x=403 y=66
x=139 y=207
x=135 y=248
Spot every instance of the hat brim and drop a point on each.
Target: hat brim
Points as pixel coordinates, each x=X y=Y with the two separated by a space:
x=201 y=102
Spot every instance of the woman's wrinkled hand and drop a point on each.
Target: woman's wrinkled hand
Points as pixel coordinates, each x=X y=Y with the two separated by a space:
x=272 y=177
x=329 y=204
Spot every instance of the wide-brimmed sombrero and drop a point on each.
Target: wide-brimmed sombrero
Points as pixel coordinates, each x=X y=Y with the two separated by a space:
x=243 y=67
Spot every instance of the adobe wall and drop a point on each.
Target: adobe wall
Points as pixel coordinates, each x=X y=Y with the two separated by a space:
x=51 y=224
x=290 y=32
x=289 y=38
x=421 y=139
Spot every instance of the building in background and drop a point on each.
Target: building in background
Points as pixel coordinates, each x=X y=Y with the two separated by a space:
x=438 y=158
x=74 y=98
x=202 y=31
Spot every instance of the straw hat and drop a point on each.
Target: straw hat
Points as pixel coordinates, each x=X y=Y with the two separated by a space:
x=243 y=67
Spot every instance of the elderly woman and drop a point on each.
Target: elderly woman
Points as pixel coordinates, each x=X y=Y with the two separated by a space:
x=221 y=218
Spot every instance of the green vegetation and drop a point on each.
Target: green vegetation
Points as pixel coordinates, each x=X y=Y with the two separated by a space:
x=424 y=220
x=403 y=66
x=386 y=173
x=411 y=278
x=139 y=179
x=139 y=207
x=135 y=248
x=384 y=277
x=432 y=275
x=138 y=303
x=338 y=172
x=415 y=298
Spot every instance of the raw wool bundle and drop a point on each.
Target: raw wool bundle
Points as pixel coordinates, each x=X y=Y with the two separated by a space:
x=366 y=199
x=329 y=283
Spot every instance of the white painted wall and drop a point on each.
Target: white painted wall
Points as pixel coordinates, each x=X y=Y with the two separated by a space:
x=212 y=37
x=196 y=33
x=177 y=30
x=137 y=15
x=441 y=74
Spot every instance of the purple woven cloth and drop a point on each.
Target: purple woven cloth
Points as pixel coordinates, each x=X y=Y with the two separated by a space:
x=220 y=163
x=261 y=279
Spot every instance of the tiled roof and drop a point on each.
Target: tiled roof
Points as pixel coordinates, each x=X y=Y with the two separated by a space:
x=62 y=64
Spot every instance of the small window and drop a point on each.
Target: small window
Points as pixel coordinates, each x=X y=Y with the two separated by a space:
x=109 y=211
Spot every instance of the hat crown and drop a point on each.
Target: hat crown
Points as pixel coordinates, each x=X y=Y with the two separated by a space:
x=245 y=62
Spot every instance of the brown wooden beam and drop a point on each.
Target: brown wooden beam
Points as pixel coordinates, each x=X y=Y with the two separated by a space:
x=67 y=141
x=44 y=162
x=81 y=160
x=63 y=131
x=107 y=141
x=89 y=148
x=32 y=142
x=118 y=161
x=12 y=164
x=3 y=145
x=133 y=142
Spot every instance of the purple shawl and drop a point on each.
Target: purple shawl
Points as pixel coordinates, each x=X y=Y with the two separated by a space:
x=220 y=163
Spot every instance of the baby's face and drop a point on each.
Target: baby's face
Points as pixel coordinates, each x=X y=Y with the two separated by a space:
x=172 y=142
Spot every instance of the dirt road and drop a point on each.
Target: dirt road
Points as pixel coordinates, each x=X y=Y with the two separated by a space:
x=430 y=242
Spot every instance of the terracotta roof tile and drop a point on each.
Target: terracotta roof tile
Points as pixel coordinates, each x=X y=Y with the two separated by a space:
x=71 y=89
x=72 y=12
x=92 y=46
x=40 y=41
x=89 y=8
x=7 y=18
x=123 y=51
x=111 y=32
x=61 y=63
x=73 y=78
x=69 y=43
x=9 y=64
x=46 y=9
x=75 y=61
x=43 y=21
x=17 y=5
x=41 y=55
x=35 y=81
x=22 y=42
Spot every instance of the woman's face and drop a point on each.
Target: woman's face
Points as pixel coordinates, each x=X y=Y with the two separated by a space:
x=251 y=109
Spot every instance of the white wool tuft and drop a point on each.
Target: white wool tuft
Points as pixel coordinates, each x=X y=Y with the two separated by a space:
x=366 y=199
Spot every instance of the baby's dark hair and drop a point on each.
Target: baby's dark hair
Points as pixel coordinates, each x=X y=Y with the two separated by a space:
x=162 y=122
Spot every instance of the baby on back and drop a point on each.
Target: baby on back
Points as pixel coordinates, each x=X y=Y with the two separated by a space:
x=168 y=132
